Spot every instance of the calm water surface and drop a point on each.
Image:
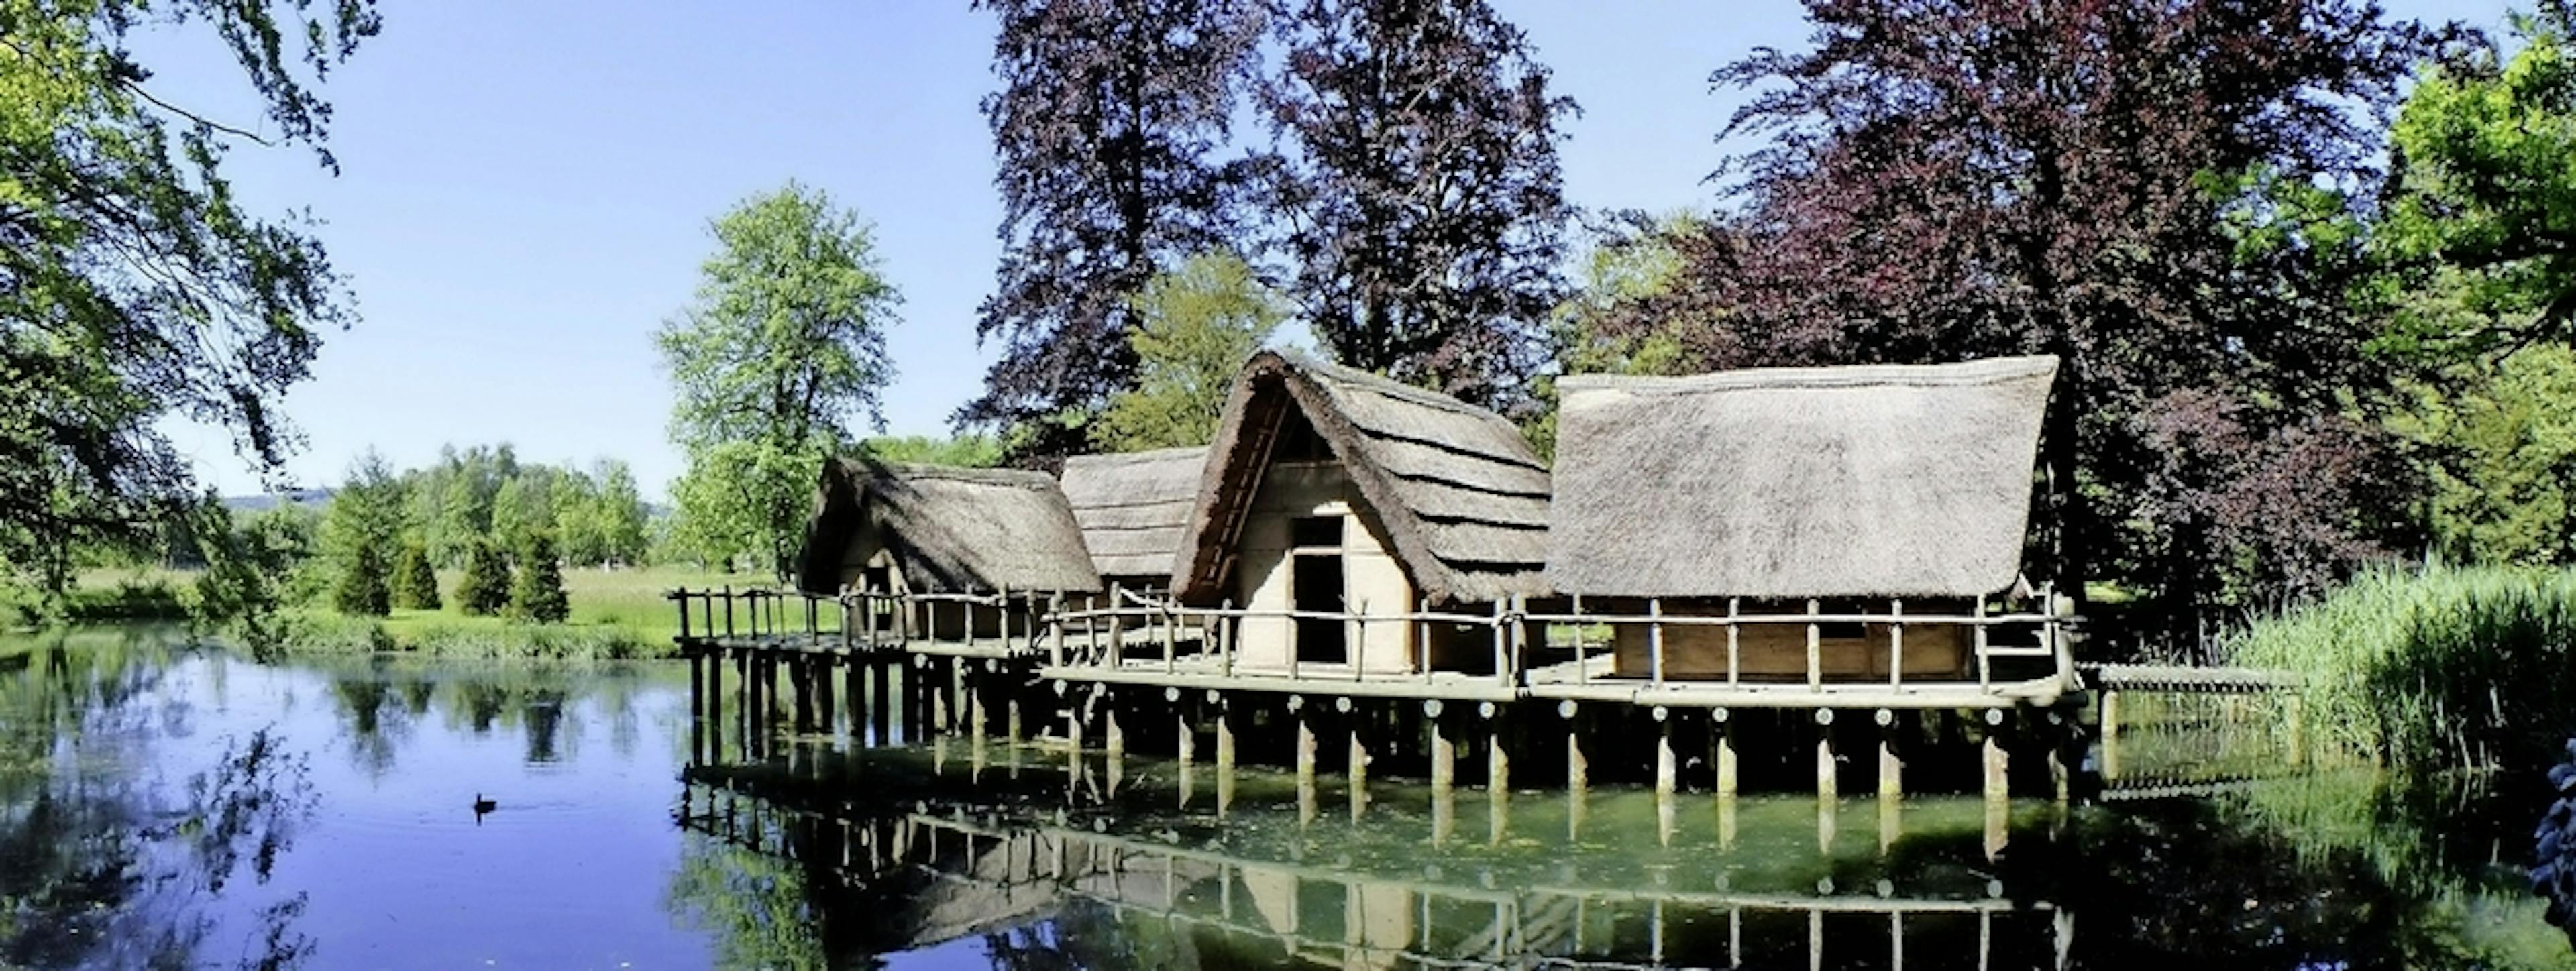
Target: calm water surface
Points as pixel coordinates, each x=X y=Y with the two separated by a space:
x=168 y=806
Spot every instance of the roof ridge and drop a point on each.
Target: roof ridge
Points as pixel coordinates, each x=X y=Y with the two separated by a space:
x=1953 y=374
x=1379 y=383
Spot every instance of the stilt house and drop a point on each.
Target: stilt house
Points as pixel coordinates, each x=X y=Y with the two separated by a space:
x=944 y=535
x=1132 y=508
x=1855 y=495
x=1336 y=505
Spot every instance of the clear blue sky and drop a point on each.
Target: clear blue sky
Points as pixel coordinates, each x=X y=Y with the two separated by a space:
x=526 y=187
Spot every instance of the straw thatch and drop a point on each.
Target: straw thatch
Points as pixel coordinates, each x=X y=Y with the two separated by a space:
x=1462 y=497
x=1884 y=481
x=950 y=530
x=1132 y=508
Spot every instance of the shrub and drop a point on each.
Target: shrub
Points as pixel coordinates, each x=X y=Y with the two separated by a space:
x=486 y=587
x=538 y=593
x=415 y=581
x=364 y=590
x=2433 y=670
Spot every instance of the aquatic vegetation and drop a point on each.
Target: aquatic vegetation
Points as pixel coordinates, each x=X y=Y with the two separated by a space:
x=2430 y=670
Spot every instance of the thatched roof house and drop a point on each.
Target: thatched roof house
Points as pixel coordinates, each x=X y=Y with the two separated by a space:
x=1884 y=481
x=1132 y=508
x=945 y=530
x=1460 y=497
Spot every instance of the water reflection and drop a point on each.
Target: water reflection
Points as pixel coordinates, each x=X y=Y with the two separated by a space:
x=105 y=869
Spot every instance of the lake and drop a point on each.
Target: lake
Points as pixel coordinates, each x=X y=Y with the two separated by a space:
x=165 y=804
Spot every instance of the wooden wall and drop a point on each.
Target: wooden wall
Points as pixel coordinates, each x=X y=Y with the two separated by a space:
x=1374 y=582
x=1777 y=652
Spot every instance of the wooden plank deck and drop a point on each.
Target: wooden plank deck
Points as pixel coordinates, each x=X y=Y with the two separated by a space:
x=1205 y=672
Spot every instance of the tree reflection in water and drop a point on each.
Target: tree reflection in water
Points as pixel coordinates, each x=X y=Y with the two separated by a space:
x=108 y=868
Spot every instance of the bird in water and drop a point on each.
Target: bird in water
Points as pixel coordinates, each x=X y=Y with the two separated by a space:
x=482 y=807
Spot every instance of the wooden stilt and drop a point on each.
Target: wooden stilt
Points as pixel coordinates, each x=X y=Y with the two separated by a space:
x=1721 y=755
x=1444 y=773
x=1355 y=720
x=1297 y=709
x=1224 y=719
x=1826 y=771
x=1498 y=770
x=2110 y=735
x=1185 y=742
x=1891 y=769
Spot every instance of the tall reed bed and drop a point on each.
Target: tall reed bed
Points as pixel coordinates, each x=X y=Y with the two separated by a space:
x=2425 y=671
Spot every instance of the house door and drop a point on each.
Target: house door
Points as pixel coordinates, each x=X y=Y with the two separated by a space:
x=1317 y=586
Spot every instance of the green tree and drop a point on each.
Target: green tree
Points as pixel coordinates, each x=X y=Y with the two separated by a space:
x=486 y=588
x=1631 y=264
x=1196 y=325
x=538 y=593
x=364 y=589
x=620 y=515
x=963 y=451
x=134 y=283
x=415 y=585
x=2486 y=199
x=576 y=508
x=783 y=345
x=361 y=528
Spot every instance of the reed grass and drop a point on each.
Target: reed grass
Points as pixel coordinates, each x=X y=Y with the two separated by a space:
x=2430 y=670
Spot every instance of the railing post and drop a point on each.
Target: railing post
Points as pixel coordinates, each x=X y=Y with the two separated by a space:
x=683 y=597
x=1359 y=645
x=1815 y=647
x=1734 y=665
x=1896 y=644
x=1520 y=638
x=1225 y=627
x=1985 y=674
x=728 y=599
x=1583 y=664
x=1117 y=623
x=1055 y=622
x=1422 y=638
x=1499 y=638
x=1655 y=641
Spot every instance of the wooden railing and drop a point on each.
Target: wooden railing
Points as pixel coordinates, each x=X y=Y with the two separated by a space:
x=1102 y=630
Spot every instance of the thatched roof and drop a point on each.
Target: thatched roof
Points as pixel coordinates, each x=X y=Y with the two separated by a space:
x=1801 y=482
x=950 y=530
x=1133 y=506
x=1462 y=497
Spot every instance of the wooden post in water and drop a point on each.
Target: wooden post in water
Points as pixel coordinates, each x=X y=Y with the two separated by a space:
x=1891 y=769
x=1827 y=789
x=1224 y=716
x=1721 y=755
x=1444 y=772
x=1185 y=742
x=1355 y=720
x=2110 y=735
x=715 y=702
x=1305 y=757
x=1667 y=775
x=1498 y=768
x=1998 y=787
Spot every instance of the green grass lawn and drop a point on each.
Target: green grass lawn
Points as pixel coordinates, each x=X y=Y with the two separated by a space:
x=615 y=613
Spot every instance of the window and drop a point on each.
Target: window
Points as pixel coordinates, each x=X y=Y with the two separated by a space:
x=1315 y=531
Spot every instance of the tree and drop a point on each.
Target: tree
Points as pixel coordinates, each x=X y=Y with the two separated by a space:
x=133 y=282
x=2163 y=195
x=538 y=593
x=415 y=582
x=1196 y=327
x=363 y=589
x=360 y=529
x=1419 y=185
x=1106 y=133
x=963 y=451
x=576 y=507
x=486 y=588
x=619 y=516
x=785 y=344
x=1635 y=260
x=2486 y=202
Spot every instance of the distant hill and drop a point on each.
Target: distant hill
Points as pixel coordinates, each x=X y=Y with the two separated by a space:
x=311 y=498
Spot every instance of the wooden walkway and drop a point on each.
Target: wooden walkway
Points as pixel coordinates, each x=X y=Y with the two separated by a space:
x=2186 y=679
